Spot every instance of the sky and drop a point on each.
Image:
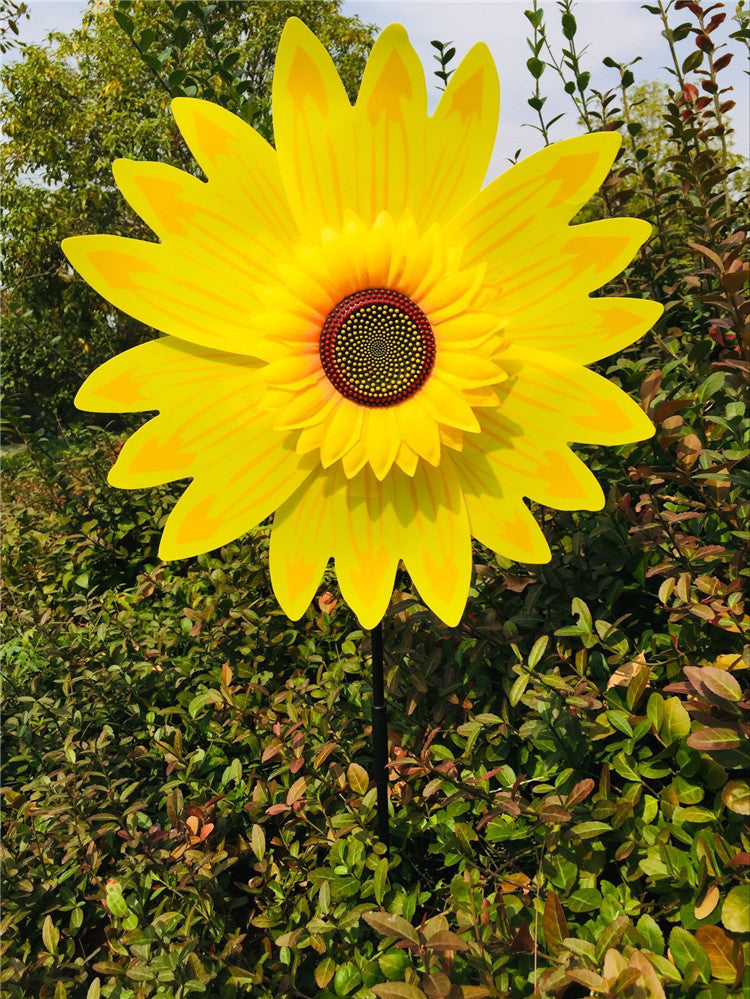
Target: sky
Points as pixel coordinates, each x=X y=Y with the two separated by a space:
x=617 y=28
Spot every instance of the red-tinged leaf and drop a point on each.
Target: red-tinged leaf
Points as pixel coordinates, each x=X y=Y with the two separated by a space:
x=523 y=942
x=668 y=409
x=734 y=280
x=723 y=61
x=648 y=974
x=585 y=977
x=721 y=683
x=688 y=450
x=724 y=953
x=580 y=792
x=296 y=791
x=554 y=923
x=436 y=986
x=714 y=740
x=446 y=940
x=398 y=990
x=327 y=602
x=271 y=750
x=712 y=255
x=277 y=809
x=649 y=387
x=391 y=925
x=553 y=813
x=690 y=92
x=323 y=754
x=740 y=860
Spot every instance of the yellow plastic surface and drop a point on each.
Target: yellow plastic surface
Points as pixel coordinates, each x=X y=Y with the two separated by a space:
x=251 y=261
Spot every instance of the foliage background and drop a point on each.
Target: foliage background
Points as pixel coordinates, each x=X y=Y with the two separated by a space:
x=186 y=801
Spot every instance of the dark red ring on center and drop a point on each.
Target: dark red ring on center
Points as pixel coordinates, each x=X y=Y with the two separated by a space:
x=377 y=347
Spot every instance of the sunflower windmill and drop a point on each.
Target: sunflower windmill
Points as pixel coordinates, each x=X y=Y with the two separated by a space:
x=361 y=339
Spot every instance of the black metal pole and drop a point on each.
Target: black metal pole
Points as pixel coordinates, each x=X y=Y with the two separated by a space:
x=379 y=733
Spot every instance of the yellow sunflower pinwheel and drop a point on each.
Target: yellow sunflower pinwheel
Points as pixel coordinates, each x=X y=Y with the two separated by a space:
x=361 y=339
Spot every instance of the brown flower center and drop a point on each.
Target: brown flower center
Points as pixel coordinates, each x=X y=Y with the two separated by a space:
x=377 y=347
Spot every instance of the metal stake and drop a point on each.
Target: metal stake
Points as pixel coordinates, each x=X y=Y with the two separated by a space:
x=379 y=734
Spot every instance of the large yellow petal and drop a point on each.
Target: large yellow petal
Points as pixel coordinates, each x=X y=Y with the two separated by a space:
x=532 y=463
x=241 y=166
x=200 y=221
x=547 y=396
x=564 y=267
x=461 y=136
x=162 y=374
x=232 y=495
x=499 y=518
x=534 y=198
x=198 y=301
x=585 y=330
x=384 y=154
x=366 y=545
x=390 y=125
x=435 y=541
x=301 y=543
x=312 y=120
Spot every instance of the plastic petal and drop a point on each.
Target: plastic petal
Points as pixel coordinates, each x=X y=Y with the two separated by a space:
x=161 y=374
x=461 y=135
x=586 y=330
x=312 y=117
x=435 y=538
x=548 y=396
x=203 y=305
x=240 y=165
x=535 y=197
x=366 y=546
x=301 y=544
x=231 y=496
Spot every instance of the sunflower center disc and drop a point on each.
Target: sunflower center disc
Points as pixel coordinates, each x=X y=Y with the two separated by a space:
x=377 y=347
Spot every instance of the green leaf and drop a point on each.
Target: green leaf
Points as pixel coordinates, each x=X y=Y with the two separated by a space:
x=124 y=22
x=393 y=963
x=535 y=67
x=538 y=650
x=584 y=900
x=587 y=830
x=569 y=26
x=518 y=689
x=50 y=935
x=258 y=841
x=649 y=928
x=735 y=913
x=115 y=900
x=583 y=613
x=379 y=880
x=357 y=778
x=346 y=979
x=693 y=61
x=685 y=948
